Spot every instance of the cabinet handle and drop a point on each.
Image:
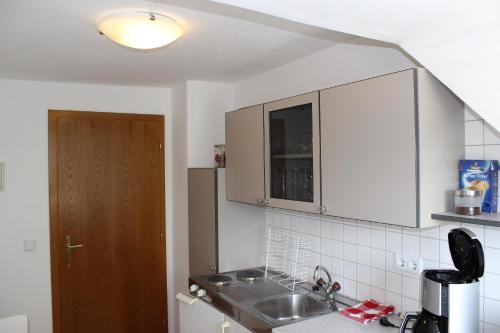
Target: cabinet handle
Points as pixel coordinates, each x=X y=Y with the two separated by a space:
x=225 y=324
x=322 y=209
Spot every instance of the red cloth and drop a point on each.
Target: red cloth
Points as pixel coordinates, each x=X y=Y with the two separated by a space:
x=367 y=311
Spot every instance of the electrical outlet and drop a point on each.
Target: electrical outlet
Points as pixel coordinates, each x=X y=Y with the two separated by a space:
x=407 y=264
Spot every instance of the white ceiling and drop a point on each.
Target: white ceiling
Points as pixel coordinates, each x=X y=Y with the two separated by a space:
x=56 y=40
x=457 y=40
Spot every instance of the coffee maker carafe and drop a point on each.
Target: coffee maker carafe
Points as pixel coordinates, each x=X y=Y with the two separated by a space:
x=450 y=298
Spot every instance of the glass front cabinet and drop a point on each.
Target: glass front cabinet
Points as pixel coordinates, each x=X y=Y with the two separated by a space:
x=291 y=153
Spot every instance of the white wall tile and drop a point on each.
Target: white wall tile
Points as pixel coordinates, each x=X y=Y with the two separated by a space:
x=363 y=291
x=492 y=311
x=377 y=277
x=389 y=262
x=377 y=294
x=410 y=287
x=488 y=328
x=492 y=260
x=316 y=244
x=393 y=299
x=393 y=282
x=350 y=252
x=326 y=261
x=285 y=221
x=337 y=266
x=445 y=229
x=377 y=258
x=337 y=232
x=444 y=253
x=363 y=235
x=430 y=232
x=349 y=270
x=337 y=249
x=326 y=246
x=363 y=255
x=491 y=136
x=393 y=241
x=377 y=239
x=492 y=152
x=411 y=245
x=492 y=286
x=474 y=132
x=363 y=273
x=326 y=228
x=474 y=152
x=315 y=227
x=349 y=288
x=294 y=223
x=350 y=233
x=304 y=225
x=277 y=220
x=492 y=237
x=429 y=264
x=429 y=249
x=409 y=304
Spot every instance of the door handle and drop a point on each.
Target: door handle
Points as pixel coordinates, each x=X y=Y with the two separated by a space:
x=225 y=324
x=69 y=248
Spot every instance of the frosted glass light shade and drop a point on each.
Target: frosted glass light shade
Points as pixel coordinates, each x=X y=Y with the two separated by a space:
x=140 y=30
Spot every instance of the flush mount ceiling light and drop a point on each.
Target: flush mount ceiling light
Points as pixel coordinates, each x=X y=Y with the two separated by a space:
x=140 y=30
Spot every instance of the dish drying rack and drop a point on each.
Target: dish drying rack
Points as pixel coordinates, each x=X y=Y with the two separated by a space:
x=287 y=258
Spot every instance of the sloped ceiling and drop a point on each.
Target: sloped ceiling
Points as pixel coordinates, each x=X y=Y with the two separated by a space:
x=457 y=40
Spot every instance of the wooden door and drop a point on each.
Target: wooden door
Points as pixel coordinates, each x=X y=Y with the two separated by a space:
x=106 y=174
x=245 y=155
x=369 y=149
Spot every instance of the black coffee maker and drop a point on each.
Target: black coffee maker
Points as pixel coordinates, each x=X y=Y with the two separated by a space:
x=450 y=298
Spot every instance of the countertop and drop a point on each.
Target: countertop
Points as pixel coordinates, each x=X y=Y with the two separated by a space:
x=334 y=323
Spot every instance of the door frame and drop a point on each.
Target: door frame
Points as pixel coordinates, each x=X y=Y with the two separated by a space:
x=55 y=251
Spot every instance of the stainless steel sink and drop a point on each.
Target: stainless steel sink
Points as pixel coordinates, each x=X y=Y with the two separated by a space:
x=293 y=307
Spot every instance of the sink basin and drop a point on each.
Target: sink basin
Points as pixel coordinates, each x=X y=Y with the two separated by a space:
x=292 y=307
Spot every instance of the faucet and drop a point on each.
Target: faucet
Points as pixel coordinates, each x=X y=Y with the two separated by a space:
x=331 y=288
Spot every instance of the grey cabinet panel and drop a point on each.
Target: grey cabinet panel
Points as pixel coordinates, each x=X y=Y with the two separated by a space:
x=292 y=168
x=245 y=155
x=202 y=185
x=369 y=150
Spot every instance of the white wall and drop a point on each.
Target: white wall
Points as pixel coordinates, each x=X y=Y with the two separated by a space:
x=179 y=241
x=206 y=104
x=337 y=65
x=25 y=276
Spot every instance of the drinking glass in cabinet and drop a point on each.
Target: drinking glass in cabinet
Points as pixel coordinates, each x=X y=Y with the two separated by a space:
x=291 y=153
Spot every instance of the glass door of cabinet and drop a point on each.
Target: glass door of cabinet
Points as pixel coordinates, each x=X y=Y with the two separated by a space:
x=292 y=153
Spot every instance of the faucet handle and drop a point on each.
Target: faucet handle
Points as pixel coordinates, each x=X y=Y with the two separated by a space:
x=335 y=287
x=321 y=283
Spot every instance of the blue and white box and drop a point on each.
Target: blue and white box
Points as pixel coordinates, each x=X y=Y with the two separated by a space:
x=481 y=175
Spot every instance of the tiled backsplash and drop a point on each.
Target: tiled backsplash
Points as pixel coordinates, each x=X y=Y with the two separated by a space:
x=360 y=254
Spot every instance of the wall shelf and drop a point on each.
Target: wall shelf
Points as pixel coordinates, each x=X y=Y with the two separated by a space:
x=489 y=219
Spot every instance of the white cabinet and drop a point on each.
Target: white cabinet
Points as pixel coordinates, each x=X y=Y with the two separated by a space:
x=233 y=326
x=197 y=316
x=390 y=148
